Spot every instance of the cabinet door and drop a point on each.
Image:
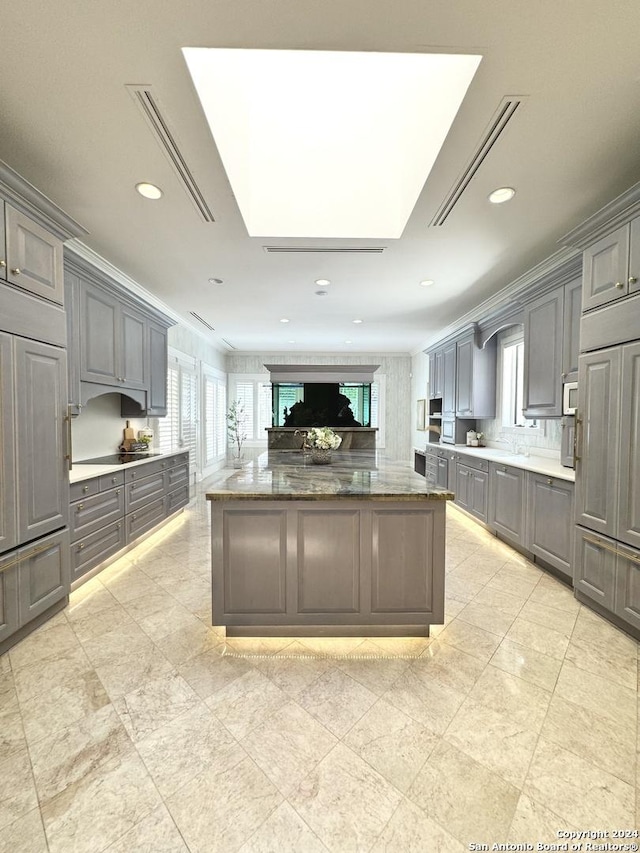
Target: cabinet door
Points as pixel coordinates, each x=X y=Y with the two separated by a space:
x=627 y=587
x=132 y=351
x=439 y=383
x=629 y=469
x=9 y=611
x=464 y=377
x=41 y=395
x=634 y=257
x=449 y=380
x=8 y=518
x=157 y=398
x=594 y=567
x=571 y=333
x=72 y=288
x=43 y=575
x=94 y=549
x=605 y=269
x=479 y=494
x=99 y=325
x=443 y=472
x=432 y=376
x=543 y=356
x=551 y=521
x=34 y=257
x=463 y=486
x=597 y=469
x=3 y=244
x=506 y=504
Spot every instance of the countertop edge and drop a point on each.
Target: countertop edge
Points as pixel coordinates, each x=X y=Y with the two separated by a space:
x=536 y=464
x=76 y=475
x=222 y=495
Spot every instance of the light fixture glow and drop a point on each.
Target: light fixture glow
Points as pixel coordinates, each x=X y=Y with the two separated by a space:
x=427 y=282
x=322 y=282
x=501 y=195
x=284 y=320
x=357 y=321
x=350 y=160
x=348 y=342
x=149 y=190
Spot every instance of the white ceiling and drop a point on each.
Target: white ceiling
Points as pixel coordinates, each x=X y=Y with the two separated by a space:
x=69 y=125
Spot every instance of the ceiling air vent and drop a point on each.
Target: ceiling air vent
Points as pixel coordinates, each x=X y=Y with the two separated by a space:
x=204 y=322
x=349 y=250
x=148 y=105
x=498 y=124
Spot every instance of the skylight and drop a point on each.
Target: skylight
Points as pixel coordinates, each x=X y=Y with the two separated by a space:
x=326 y=143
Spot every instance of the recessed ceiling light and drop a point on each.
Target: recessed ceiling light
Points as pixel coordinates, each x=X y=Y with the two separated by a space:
x=284 y=320
x=215 y=281
x=323 y=282
x=348 y=342
x=501 y=195
x=291 y=342
x=427 y=282
x=149 y=190
x=357 y=321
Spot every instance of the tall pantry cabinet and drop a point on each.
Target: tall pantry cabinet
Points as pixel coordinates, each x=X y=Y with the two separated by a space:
x=607 y=540
x=34 y=490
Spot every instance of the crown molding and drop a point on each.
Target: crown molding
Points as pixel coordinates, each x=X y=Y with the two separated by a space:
x=617 y=212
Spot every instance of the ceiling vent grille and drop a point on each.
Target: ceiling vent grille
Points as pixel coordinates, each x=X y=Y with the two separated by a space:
x=346 y=250
x=204 y=322
x=148 y=105
x=496 y=127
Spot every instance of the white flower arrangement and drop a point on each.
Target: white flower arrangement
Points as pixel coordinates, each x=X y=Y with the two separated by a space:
x=323 y=438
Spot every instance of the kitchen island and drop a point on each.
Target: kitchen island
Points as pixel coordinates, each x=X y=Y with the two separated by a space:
x=355 y=548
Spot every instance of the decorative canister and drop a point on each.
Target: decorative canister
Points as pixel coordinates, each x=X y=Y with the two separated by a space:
x=471 y=437
x=320 y=456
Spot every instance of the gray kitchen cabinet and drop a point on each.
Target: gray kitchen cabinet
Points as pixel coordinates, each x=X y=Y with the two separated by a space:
x=31 y=256
x=148 y=514
x=436 y=370
x=97 y=547
x=144 y=490
x=3 y=242
x=156 y=372
x=449 y=380
x=41 y=395
x=543 y=356
x=550 y=513
x=9 y=611
x=612 y=266
x=43 y=575
x=597 y=472
x=626 y=602
x=91 y=513
x=442 y=477
x=8 y=515
x=472 y=481
x=595 y=567
x=113 y=341
x=431 y=465
x=475 y=378
x=571 y=330
x=507 y=502
x=629 y=448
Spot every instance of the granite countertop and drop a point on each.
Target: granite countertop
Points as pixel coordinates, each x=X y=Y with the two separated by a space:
x=547 y=465
x=291 y=475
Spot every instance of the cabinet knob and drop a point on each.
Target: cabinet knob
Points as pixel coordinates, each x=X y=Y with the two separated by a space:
x=633 y=279
x=619 y=284
x=2 y=264
x=550 y=481
x=80 y=506
x=114 y=479
x=133 y=516
x=16 y=271
x=81 y=546
x=118 y=526
x=118 y=491
x=85 y=488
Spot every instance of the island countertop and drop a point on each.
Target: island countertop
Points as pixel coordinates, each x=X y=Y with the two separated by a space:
x=355 y=474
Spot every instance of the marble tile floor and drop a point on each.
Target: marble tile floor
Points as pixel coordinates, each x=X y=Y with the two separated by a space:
x=124 y=729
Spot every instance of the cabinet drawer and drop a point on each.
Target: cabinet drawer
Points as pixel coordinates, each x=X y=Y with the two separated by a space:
x=139 y=472
x=84 y=489
x=627 y=586
x=177 y=477
x=139 y=493
x=178 y=459
x=9 y=612
x=476 y=464
x=110 y=481
x=144 y=519
x=43 y=575
x=95 y=511
x=92 y=550
x=176 y=499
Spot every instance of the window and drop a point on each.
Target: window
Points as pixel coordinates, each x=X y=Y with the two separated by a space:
x=215 y=415
x=254 y=395
x=178 y=430
x=512 y=387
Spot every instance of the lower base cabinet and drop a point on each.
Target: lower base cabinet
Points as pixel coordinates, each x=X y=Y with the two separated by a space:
x=113 y=511
x=507 y=502
x=550 y=514
x=626 y=601
x=33 y=579
x=472 y=487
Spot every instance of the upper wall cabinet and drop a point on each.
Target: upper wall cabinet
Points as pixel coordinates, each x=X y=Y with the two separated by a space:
x=117 y=342
x=31 y=256
x=475 y=378
x=612 y=266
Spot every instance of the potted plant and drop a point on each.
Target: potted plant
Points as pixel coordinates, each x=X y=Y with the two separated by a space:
x=236 y=433
x=322 y=440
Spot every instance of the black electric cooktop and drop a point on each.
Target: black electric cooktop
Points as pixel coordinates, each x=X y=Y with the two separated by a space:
x=117 y=459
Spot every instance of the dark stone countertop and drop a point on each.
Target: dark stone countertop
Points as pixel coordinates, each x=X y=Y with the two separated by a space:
x=354 y=474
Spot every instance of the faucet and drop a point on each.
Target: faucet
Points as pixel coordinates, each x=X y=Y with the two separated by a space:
x=512 y=443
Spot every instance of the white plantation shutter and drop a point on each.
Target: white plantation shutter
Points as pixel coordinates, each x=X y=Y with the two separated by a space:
x=168 y=428
x=189 y=414
x=265 y=417
x=375 y=404
x=244 y=395
x=215 y=426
